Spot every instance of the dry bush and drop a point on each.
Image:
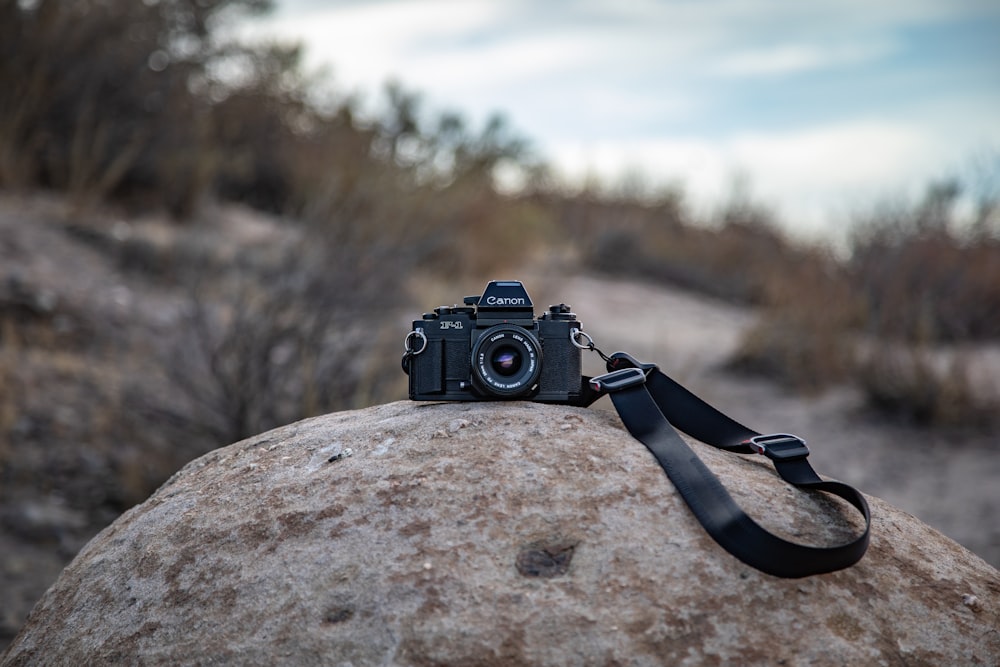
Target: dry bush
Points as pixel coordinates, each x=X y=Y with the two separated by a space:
x=804 y=350
x=143 y=103
x=9 y=390
x=922 y=279
x=140 y=102
x=739 y=255
x=916 y=278
x=805 y=334
x=97 y=94
x=926 y=277
x=287 y=333
x=916 y=275
x=921 y=386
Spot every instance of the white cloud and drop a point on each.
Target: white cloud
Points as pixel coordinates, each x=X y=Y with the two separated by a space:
x=796 y=58
x=806 y=176
x=853 y=155
x=367 y=44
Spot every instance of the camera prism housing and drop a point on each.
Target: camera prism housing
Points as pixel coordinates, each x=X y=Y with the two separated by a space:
x=493 y=348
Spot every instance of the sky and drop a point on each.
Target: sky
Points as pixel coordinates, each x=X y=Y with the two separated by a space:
x=819 y=110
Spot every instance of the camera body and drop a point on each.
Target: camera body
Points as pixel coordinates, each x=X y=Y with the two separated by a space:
x=493 y=348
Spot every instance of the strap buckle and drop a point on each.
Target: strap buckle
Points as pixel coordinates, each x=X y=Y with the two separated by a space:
x=618 y=380
x=779 y=446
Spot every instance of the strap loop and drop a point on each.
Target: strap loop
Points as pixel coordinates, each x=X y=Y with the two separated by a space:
x=651 y=405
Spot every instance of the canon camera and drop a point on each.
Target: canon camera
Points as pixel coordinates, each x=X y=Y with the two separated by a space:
x=493 y=348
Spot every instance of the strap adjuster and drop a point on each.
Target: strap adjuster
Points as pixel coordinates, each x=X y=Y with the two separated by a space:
x=779 y=446
x=618 y=380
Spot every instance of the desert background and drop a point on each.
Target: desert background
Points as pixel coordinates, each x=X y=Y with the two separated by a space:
x=197 y=246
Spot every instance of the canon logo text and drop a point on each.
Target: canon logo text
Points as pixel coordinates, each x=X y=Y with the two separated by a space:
x=505 y=301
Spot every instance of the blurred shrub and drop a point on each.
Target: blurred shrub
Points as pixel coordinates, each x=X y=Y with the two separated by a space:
x=289 y=330
x=917 y=385
x=917 y=276
x=926 y=277
x=9 y=389
x=144 y=103
x=913 y=276
x=739 y=256
x=807 y=349
x=98 y=95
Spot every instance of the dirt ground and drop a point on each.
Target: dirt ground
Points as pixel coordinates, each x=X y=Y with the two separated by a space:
x=948 y=480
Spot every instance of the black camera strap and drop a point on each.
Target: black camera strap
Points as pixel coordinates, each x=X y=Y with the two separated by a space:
x=652 y=405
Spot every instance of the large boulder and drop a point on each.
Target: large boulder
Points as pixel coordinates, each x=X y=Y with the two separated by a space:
x=492 y=533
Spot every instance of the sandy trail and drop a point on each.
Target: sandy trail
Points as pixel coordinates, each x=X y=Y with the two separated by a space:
x=947 y=480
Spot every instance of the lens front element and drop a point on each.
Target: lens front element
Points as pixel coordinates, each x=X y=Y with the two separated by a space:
x=506 y=361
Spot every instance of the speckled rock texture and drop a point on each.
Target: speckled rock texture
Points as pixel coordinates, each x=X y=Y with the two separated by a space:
x=492 y=533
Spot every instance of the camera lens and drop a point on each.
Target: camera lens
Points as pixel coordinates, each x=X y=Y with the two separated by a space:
x=506 y=361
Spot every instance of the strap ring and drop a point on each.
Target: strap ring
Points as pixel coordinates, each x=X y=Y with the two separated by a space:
x=575 y=333
x=417 y=333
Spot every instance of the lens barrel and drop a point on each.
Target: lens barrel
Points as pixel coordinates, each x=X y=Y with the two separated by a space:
x=506 y=361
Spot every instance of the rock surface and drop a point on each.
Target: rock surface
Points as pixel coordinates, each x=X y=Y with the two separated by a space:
x=492 y=533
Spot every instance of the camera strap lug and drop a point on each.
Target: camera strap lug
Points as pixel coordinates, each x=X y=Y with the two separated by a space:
x=409 y=352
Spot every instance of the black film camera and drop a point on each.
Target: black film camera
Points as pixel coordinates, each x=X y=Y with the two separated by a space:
x=493 y=348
